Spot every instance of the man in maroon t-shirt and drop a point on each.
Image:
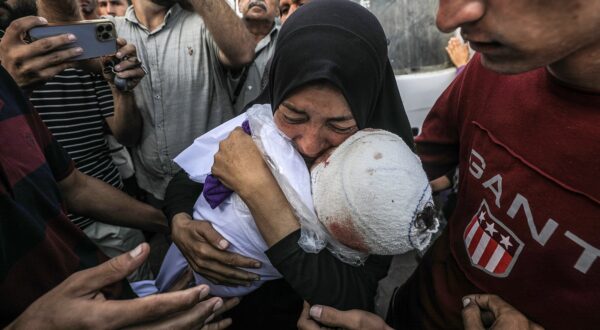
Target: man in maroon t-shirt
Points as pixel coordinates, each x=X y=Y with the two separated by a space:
x=523 y=245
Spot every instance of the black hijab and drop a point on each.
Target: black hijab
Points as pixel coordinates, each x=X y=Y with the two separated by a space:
x=340 y=42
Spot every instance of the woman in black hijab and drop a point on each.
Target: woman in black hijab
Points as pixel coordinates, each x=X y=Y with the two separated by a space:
x=341 y=43
x=331 y=58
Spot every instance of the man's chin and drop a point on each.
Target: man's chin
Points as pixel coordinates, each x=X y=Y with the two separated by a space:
x=507 y=65
x=256 y=11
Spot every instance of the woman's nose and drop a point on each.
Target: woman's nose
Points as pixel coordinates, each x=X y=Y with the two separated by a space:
x=455 y=13
x=310 y=145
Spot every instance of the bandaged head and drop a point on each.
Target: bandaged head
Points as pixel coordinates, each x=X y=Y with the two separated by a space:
x=372 y=195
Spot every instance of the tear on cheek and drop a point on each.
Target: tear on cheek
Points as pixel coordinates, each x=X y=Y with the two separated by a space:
x=345 y=232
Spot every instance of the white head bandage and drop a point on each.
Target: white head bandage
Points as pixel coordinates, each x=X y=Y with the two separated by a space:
x=370 y=192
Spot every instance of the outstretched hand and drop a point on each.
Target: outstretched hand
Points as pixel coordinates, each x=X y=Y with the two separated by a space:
x=78 y=302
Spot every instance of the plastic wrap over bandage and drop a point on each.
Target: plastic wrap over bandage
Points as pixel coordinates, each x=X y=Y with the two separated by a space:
x=285 y=162
x=372 y=194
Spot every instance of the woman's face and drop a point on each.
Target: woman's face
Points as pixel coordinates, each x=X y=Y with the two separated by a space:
x=316 y=118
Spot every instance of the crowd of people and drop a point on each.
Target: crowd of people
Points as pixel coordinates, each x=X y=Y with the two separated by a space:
x=312 y=201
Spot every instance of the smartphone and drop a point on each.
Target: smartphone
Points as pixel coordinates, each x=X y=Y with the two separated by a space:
x=96 y=37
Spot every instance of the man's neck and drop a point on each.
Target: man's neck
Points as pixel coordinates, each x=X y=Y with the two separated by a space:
x=149 y=14
x=259 y=28
x=580 y=69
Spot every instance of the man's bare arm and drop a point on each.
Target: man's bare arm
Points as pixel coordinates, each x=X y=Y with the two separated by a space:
x=91 y=197
x=126 y=123
x=234 y=40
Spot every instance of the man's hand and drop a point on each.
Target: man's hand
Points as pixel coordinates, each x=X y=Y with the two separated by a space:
x=79 y=303
x=204 y=249
x=128 y=65
x=485 y=311
x=34 y=63
x=323 y=317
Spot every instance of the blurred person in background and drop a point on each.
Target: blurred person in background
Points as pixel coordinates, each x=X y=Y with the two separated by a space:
x=89 y=8
x=288 y=7
x=259 y=18
x=113 y=7
x=186 y=53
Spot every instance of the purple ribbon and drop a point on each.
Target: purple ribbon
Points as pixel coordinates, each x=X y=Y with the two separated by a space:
x=214 y=191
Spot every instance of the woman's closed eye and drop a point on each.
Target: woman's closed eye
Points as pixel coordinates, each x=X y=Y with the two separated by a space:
x=295 y=119
x=343 y=129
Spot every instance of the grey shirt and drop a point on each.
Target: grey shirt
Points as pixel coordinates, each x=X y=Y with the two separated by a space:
x=183 y=95
x=248 y=89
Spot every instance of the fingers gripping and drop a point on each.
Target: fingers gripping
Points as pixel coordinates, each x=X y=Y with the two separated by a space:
x=206 y=230
x=471 y=315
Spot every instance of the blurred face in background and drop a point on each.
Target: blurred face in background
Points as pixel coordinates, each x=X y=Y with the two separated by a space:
x=258 y=9
x=88 y=8
x=112 y=7
x=288 y=7
x=519 y=35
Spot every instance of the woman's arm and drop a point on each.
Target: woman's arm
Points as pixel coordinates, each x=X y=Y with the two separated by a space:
x=239 y=166
x=319 y=278
x=180 y=196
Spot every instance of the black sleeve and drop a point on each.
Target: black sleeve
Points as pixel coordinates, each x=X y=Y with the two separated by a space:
x=451 y=176
x=181 y=195
x=323 y=279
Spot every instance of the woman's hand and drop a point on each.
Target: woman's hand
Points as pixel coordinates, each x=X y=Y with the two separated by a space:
x=204 y=249
x=239 y=164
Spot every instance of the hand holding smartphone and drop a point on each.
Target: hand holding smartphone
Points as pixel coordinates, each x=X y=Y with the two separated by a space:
x=96 y=37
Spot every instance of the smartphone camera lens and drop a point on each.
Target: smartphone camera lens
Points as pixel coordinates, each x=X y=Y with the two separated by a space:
x=109 y=28
x=100 y=29
x=105 y=36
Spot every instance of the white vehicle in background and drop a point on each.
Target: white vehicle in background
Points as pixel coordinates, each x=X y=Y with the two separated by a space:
x=419 y=92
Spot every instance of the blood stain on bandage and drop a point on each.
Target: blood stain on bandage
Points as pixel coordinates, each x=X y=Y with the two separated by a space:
x=344 y=231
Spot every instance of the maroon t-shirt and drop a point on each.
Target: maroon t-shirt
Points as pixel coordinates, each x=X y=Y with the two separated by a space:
x=527 y=220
